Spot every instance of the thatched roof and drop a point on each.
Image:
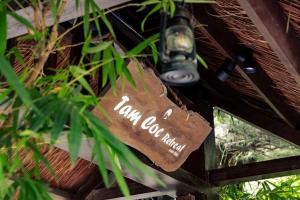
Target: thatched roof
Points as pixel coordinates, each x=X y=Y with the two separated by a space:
x=242 y=27
x=234 y=20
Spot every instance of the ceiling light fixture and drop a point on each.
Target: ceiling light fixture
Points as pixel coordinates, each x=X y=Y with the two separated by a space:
x=226 y=69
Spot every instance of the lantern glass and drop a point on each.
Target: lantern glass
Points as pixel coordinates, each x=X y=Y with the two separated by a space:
x=179 y=38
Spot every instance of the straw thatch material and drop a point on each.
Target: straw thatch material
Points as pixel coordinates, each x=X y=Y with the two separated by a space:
x=292 y=10
x=69 y=178
x=25 y=48
x=239 y=23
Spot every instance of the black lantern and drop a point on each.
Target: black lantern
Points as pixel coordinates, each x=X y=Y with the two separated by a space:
x=177 y=49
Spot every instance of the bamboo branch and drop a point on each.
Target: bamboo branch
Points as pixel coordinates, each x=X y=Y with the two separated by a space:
x=44 y=55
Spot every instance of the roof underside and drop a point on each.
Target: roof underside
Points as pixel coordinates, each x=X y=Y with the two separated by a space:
x=237 y=22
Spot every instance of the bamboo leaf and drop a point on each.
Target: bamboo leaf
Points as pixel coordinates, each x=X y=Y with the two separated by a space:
x=201 y=61
x=155 y=9
x=3 y=3
x=75 y=134
x=106 y=67
x=100 y=158
x=34 y=3
x=141 y=46
x=112 y=75
x=76 y=71
x=150 y=2
x=95 y=16
x=172 y=8
x=53 y=8
x=3 y=30
x=77 y=4
x=86 y=18
x=154 y=53
x=4 y=95
x=59 y=121
x=12 y=79
x=118 y=174
x=104 y=19
x=119 y=61
x=128 y=76
x=46 y=109
x=100 y=47
x=120 y=148
x=86 y=44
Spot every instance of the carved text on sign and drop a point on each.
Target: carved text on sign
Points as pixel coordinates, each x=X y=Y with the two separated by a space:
x=149 y=124
x=147 y=120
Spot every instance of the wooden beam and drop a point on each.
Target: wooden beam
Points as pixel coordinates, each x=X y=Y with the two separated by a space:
x=270 y=20
x=203 y=159
x=150 y=195
x=256 y=171
x=16 y=29
x=137 y=191
x=90 y=184
x=225 y=98
x=57 y=194
x=227 y=44
x=180 y=180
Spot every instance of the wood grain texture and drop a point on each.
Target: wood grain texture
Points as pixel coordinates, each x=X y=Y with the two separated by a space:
x=16 y=29
x=149 y=98
x=256 y=171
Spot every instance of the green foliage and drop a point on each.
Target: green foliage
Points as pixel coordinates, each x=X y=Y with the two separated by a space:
x=169 y=7
x=3 y=30
x=15 y=83
x=244 y=143
x=58 y=105
x=271 y=189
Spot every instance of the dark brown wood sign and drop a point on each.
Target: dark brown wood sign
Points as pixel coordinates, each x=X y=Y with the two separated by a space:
x=144 y=118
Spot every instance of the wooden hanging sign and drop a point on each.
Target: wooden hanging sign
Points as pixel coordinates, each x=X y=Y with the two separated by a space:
x=145 y=119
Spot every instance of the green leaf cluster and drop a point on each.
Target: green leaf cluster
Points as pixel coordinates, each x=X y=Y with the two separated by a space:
x=59 y=104
x=286 y=188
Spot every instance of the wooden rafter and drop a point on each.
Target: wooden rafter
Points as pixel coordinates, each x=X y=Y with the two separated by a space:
x=93 y=180
x=180 y=180
x=256 y=171
x=227 y=44
x=227 y=99
x=271 y=21
x=57 y=194
x=137 y=191
x=16 y=29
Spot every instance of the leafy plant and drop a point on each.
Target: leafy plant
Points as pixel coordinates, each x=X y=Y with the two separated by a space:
x=37 y=109
x=239 y=142
x=271 y=189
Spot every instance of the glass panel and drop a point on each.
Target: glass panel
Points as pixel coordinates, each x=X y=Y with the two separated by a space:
x=179 y=38
x=238 y=142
